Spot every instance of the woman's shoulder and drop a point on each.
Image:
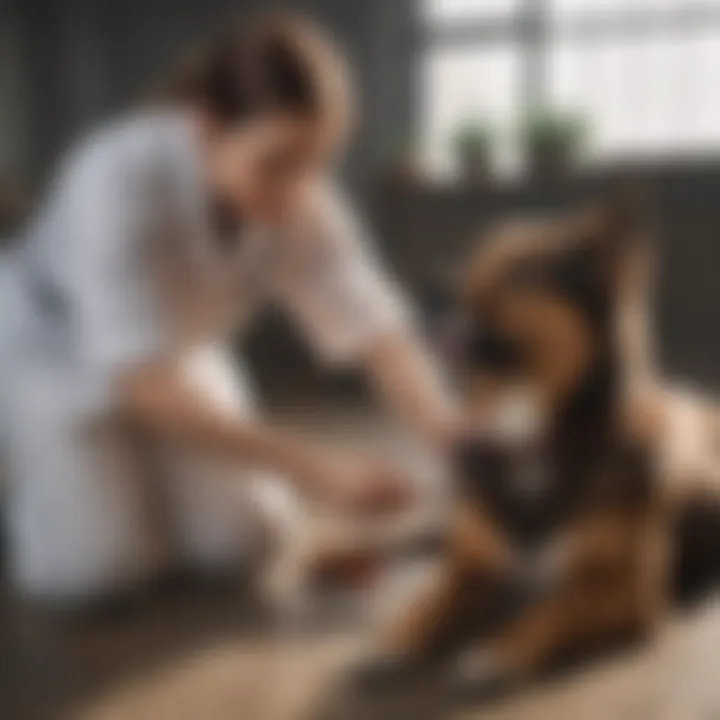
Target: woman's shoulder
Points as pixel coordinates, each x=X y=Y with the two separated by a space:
x=134 y=144
x=334 y=218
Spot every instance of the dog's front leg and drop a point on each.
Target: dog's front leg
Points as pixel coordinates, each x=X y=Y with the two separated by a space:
x=651 y=589
x=475 y=552
x=522 y=647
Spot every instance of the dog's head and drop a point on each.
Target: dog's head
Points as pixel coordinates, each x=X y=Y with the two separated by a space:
x=542 y=299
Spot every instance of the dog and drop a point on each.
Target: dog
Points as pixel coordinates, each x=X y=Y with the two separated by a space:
x=560 y=534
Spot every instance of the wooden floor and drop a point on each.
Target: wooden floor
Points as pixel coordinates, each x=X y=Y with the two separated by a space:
x=212 y=653
x=677 y=680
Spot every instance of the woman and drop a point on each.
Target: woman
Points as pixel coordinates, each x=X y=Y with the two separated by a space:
x=163 y=233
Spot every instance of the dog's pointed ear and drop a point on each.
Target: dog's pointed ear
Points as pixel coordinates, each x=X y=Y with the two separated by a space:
x=621 y=228
x=629 y=213
x=622 y=219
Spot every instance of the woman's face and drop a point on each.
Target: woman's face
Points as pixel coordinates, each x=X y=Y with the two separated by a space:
x=266 y=167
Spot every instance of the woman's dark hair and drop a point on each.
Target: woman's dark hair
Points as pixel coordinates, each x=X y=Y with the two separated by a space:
x=274 y=63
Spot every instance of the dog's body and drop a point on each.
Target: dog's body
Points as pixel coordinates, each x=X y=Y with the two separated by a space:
x=579 y=503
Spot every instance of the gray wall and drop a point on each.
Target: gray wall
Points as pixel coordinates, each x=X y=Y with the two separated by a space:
x=13 y=95
x=429 y=233
x=68 y=63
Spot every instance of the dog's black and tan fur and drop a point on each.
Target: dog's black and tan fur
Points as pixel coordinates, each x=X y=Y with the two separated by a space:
x=545 y=301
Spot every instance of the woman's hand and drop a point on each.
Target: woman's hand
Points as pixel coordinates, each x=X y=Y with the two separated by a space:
x=161 y=399
x=362 y=487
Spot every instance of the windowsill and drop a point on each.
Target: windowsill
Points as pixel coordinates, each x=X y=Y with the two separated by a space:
x=638 y=169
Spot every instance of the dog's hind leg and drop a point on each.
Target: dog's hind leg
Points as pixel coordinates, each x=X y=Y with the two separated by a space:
x=617 y=603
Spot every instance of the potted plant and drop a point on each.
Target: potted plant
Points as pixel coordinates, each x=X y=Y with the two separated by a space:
x=552 y=140
x=472 y=143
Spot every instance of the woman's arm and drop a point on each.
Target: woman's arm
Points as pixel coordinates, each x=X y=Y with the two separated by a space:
x=158 y=398
x=407 y=377
x=353 y=313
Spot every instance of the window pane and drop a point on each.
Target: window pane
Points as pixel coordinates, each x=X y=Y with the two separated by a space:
x=563 y=7
x=434 y=10
x=643 y=95
x=461 y=85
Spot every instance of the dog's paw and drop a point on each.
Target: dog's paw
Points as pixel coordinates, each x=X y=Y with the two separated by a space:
x=534 y=581
x=479 y=674
x=384 y=672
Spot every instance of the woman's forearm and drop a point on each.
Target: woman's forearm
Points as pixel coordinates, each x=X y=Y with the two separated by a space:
x=410 y=381
x=160 y=400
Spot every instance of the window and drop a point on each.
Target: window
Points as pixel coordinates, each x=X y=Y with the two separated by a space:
x=443 y=10
x=575 y=7
x=643 y=73
x=644 y=96
x=464 y=85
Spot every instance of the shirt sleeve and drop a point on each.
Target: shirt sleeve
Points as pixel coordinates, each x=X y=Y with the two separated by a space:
x=334 y=287
x=119 y=321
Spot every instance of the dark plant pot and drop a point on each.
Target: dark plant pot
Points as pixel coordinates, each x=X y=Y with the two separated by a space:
x=550 y=161
x=406 y=173
x=476 y=167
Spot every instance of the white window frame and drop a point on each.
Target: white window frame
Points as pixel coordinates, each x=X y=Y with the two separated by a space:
x=534 y=28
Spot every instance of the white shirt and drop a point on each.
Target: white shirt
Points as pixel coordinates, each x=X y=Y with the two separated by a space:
x=120 y=266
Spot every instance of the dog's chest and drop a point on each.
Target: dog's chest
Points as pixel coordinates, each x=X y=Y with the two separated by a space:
x=535 y=490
